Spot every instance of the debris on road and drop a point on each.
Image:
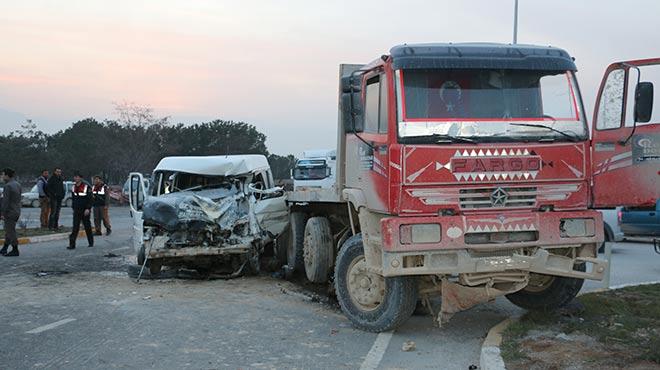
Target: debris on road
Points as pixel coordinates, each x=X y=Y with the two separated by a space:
x=408 y=346
x=111 y=255
x=50 y=273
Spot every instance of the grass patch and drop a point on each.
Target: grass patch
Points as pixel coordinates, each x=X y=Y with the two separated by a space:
x=627 y=320
x=27 y=232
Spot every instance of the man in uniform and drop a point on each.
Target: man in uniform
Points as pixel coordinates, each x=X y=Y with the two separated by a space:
x=81 y=202
x=44 y=202
x=101 y=204
x=10 y=211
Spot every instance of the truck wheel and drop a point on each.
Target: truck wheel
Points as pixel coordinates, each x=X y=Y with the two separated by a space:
x=318 y=249
x=546 y=292
x=294 y=255
x=68 y=202
x=372 y=302
x=35 y=203
x=607 y=232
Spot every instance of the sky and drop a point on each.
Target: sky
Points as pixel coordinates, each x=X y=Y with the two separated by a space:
x=273 y=64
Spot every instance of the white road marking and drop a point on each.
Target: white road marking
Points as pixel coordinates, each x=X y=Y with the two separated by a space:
x=119 y=249
x=377 y=351
x=50 y=326
x=84 y=255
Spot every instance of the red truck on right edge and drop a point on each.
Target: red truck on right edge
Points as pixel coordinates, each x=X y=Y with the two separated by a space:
x=468 y=171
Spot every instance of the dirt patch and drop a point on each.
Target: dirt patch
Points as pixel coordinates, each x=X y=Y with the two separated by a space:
x=607 y=330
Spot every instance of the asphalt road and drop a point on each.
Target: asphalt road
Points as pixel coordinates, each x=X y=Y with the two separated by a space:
x=79 y=309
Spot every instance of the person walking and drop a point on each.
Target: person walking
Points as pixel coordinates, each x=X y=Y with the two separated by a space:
x=81 y=202
x=44 y=202
x=55 y=189
x=10 y=211
x=101 y=204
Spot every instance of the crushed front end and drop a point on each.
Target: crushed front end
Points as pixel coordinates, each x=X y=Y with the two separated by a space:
x=213 y=229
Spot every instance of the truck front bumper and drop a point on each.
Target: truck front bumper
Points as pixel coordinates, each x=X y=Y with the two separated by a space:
x=491 y=243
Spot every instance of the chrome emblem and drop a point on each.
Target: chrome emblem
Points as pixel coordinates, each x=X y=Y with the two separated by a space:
x=499 y=197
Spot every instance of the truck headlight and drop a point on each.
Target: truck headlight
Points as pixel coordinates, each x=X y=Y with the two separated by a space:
x=420 y=233
x=577 y=227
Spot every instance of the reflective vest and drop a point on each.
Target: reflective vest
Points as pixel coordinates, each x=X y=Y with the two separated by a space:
x=80 y=191
x=99 y=191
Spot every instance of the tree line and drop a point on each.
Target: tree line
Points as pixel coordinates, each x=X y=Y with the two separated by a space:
x=135 y=141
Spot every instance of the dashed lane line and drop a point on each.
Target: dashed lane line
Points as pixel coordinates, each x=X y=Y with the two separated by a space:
x=377 y=351
x=50 y=326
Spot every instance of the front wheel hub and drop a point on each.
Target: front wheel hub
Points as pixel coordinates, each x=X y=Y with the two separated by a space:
x=367 y=289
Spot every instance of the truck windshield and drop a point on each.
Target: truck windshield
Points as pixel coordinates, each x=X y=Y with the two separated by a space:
x=310 y=170
x=483 y=104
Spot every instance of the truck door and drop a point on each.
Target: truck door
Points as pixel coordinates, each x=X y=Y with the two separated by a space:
x=626 y=136
x=136 y=195
x=367 y=153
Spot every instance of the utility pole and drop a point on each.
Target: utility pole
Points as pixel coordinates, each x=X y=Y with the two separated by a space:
x=515 y=23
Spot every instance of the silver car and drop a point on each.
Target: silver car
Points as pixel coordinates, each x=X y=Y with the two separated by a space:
x=31 y=198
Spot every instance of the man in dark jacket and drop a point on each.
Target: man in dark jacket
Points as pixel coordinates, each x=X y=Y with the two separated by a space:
x=44 y=202
x=10 y=211
x=101 y=204
x=55 y=188
x=81 y=202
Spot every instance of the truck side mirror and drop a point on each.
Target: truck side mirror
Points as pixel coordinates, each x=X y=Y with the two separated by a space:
x=351 y=102
x=291 y=173
x=643 y=101
x=328 y=172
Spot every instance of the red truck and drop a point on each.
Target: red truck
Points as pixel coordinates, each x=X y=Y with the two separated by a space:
x=468 y=171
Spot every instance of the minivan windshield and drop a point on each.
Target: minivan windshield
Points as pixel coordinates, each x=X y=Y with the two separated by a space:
x=490 y=103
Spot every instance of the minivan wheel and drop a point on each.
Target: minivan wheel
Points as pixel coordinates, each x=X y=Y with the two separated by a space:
x=370 y=301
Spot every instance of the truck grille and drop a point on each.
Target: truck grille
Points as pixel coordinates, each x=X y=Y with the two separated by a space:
x=497 y=197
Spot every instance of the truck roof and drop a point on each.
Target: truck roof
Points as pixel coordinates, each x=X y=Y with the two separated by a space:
x=481 y=56
x=216 y=165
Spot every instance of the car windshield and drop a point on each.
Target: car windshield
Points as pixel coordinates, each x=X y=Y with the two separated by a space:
x=485 y=103
x=310 y=170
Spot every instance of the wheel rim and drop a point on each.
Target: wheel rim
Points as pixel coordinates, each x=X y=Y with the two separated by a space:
x=366 y=289
x=538 y=283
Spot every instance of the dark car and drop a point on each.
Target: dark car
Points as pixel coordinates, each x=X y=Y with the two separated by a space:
x=641 y=221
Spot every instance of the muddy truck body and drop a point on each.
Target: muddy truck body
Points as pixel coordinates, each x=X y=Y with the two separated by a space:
x=215 y=214
x=467 y=171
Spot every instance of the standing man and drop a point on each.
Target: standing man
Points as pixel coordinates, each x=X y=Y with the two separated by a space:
x=10 y=211
x=82 y=200
x=101 y=204
x=55 y=188
x=44 y=202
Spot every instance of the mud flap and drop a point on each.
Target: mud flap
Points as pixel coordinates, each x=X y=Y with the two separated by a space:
x=456 y=297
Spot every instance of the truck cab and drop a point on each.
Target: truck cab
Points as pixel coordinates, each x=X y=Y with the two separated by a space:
x=315 y=170
x=466 y=170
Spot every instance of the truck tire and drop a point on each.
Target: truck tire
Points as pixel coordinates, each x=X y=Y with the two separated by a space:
x=68 y=203
x=608 y=238
x=546 y=292
x=318 y=249
x=35 y=203
x=371 y=302
x=297 y=221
